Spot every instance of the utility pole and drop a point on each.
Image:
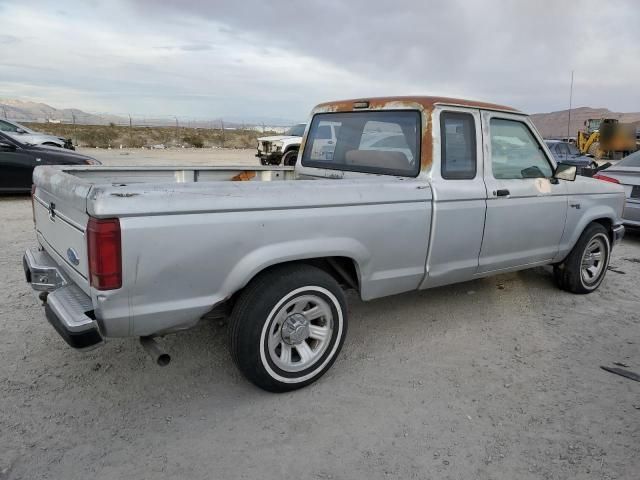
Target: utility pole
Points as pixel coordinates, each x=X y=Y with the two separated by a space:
x=222 y=124
x=177 y=126
x=73 y=119
x=130 y=131
x=4 y=109
x=570 y=105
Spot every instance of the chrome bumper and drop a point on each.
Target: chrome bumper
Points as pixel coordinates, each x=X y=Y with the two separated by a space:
x=67 y=307
x=618 y=234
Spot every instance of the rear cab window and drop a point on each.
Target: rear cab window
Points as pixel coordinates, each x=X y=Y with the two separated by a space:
x=458 y=146
x=379 y=142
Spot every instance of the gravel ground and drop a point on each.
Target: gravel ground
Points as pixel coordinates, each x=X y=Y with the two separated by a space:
x=492 y=379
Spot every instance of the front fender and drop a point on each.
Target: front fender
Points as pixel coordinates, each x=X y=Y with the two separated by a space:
x=582 y=212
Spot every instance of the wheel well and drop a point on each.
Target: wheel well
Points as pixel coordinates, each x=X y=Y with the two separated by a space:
x=607 y=224
x=343 y=269
x=292 y=147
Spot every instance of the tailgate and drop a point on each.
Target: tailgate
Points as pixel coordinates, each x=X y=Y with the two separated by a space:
x=60 y=211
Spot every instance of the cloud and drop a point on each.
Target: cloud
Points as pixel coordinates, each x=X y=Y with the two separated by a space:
x=281 y=57
x=188 y=48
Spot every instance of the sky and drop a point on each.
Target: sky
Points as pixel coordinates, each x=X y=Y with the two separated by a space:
x=248 y=59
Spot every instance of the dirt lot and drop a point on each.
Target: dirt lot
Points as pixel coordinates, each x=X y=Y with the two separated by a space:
x=493 y=379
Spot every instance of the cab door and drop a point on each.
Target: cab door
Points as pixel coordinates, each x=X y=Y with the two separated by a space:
x=459 y=196
x=526 y=206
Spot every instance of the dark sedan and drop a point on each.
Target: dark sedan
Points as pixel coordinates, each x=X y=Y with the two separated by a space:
x=17 y=161
x=565 y=152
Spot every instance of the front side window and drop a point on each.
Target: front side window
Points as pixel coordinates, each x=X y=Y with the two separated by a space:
x=458 y=139
x=382 y=142
x=515 y=153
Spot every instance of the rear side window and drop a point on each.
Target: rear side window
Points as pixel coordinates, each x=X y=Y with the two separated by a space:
x=383 y=142
x=458 y=154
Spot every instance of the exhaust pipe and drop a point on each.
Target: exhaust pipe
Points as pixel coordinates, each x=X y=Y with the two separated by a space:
x=154 y=350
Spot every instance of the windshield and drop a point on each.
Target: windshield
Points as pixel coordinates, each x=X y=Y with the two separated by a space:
x=12 y=127
x=632 y=160
x=382 y=142
x=297 y=130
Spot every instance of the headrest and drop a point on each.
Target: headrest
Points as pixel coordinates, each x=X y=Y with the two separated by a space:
x=377 y=158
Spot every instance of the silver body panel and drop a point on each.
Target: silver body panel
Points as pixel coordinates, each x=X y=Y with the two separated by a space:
x=191 y=238
x=629 y=178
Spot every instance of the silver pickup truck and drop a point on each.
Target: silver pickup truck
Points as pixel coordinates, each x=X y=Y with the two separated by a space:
x=416 y=192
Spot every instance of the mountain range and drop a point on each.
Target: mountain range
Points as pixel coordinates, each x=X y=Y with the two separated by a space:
x=550 y=125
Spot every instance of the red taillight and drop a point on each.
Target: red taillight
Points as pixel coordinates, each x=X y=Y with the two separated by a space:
x=105 y=254
x=604 y=178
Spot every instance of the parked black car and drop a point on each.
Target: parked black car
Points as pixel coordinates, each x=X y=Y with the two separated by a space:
x=565 y=152
x=17 y=161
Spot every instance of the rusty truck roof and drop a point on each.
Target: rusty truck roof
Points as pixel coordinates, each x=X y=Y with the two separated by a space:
x=426 y=102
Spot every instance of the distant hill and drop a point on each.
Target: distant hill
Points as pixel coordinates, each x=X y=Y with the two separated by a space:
x=554 y=124
x=26 y=111
x=550 y=125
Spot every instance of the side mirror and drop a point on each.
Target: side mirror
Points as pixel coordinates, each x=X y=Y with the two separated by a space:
x=4 y=146
x=565 y=172
x=20 y=130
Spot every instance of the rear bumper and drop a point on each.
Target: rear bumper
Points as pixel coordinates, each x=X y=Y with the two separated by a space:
x=67 y=308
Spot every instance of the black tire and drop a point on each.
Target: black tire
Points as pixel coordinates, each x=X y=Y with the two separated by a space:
x=569 y=273
x=289 y=158
x=255 y=320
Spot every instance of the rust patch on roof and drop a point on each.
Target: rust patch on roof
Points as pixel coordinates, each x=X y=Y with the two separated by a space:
x=426 y=102
x=422 y=103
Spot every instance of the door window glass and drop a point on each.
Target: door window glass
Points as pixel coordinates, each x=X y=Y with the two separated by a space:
x=458 y=154
x=515 y=153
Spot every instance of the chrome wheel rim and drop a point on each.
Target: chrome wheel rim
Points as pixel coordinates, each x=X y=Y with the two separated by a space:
x=593 y=260
x=300 y=333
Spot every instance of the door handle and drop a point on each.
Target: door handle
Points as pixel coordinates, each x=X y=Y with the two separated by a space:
x=501 y=193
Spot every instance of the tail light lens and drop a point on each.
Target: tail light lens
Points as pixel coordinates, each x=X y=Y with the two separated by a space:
x=105 y=253
x=604 y=178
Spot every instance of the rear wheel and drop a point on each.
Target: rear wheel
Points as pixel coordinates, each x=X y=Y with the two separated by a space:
x=584 y=269
x=290 y=157
x=288 y=327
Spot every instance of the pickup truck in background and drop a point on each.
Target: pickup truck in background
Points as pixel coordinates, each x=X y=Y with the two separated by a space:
x=415 y=192
x=281 y=149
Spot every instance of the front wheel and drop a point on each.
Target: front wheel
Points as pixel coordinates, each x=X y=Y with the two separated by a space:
x=585 y=267
x=287 y=327
x=289 y=158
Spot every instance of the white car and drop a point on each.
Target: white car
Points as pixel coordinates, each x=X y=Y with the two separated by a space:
x=281 y=149
x=26 y=135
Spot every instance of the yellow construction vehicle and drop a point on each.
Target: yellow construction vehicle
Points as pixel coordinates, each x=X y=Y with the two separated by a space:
x=606 y=139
